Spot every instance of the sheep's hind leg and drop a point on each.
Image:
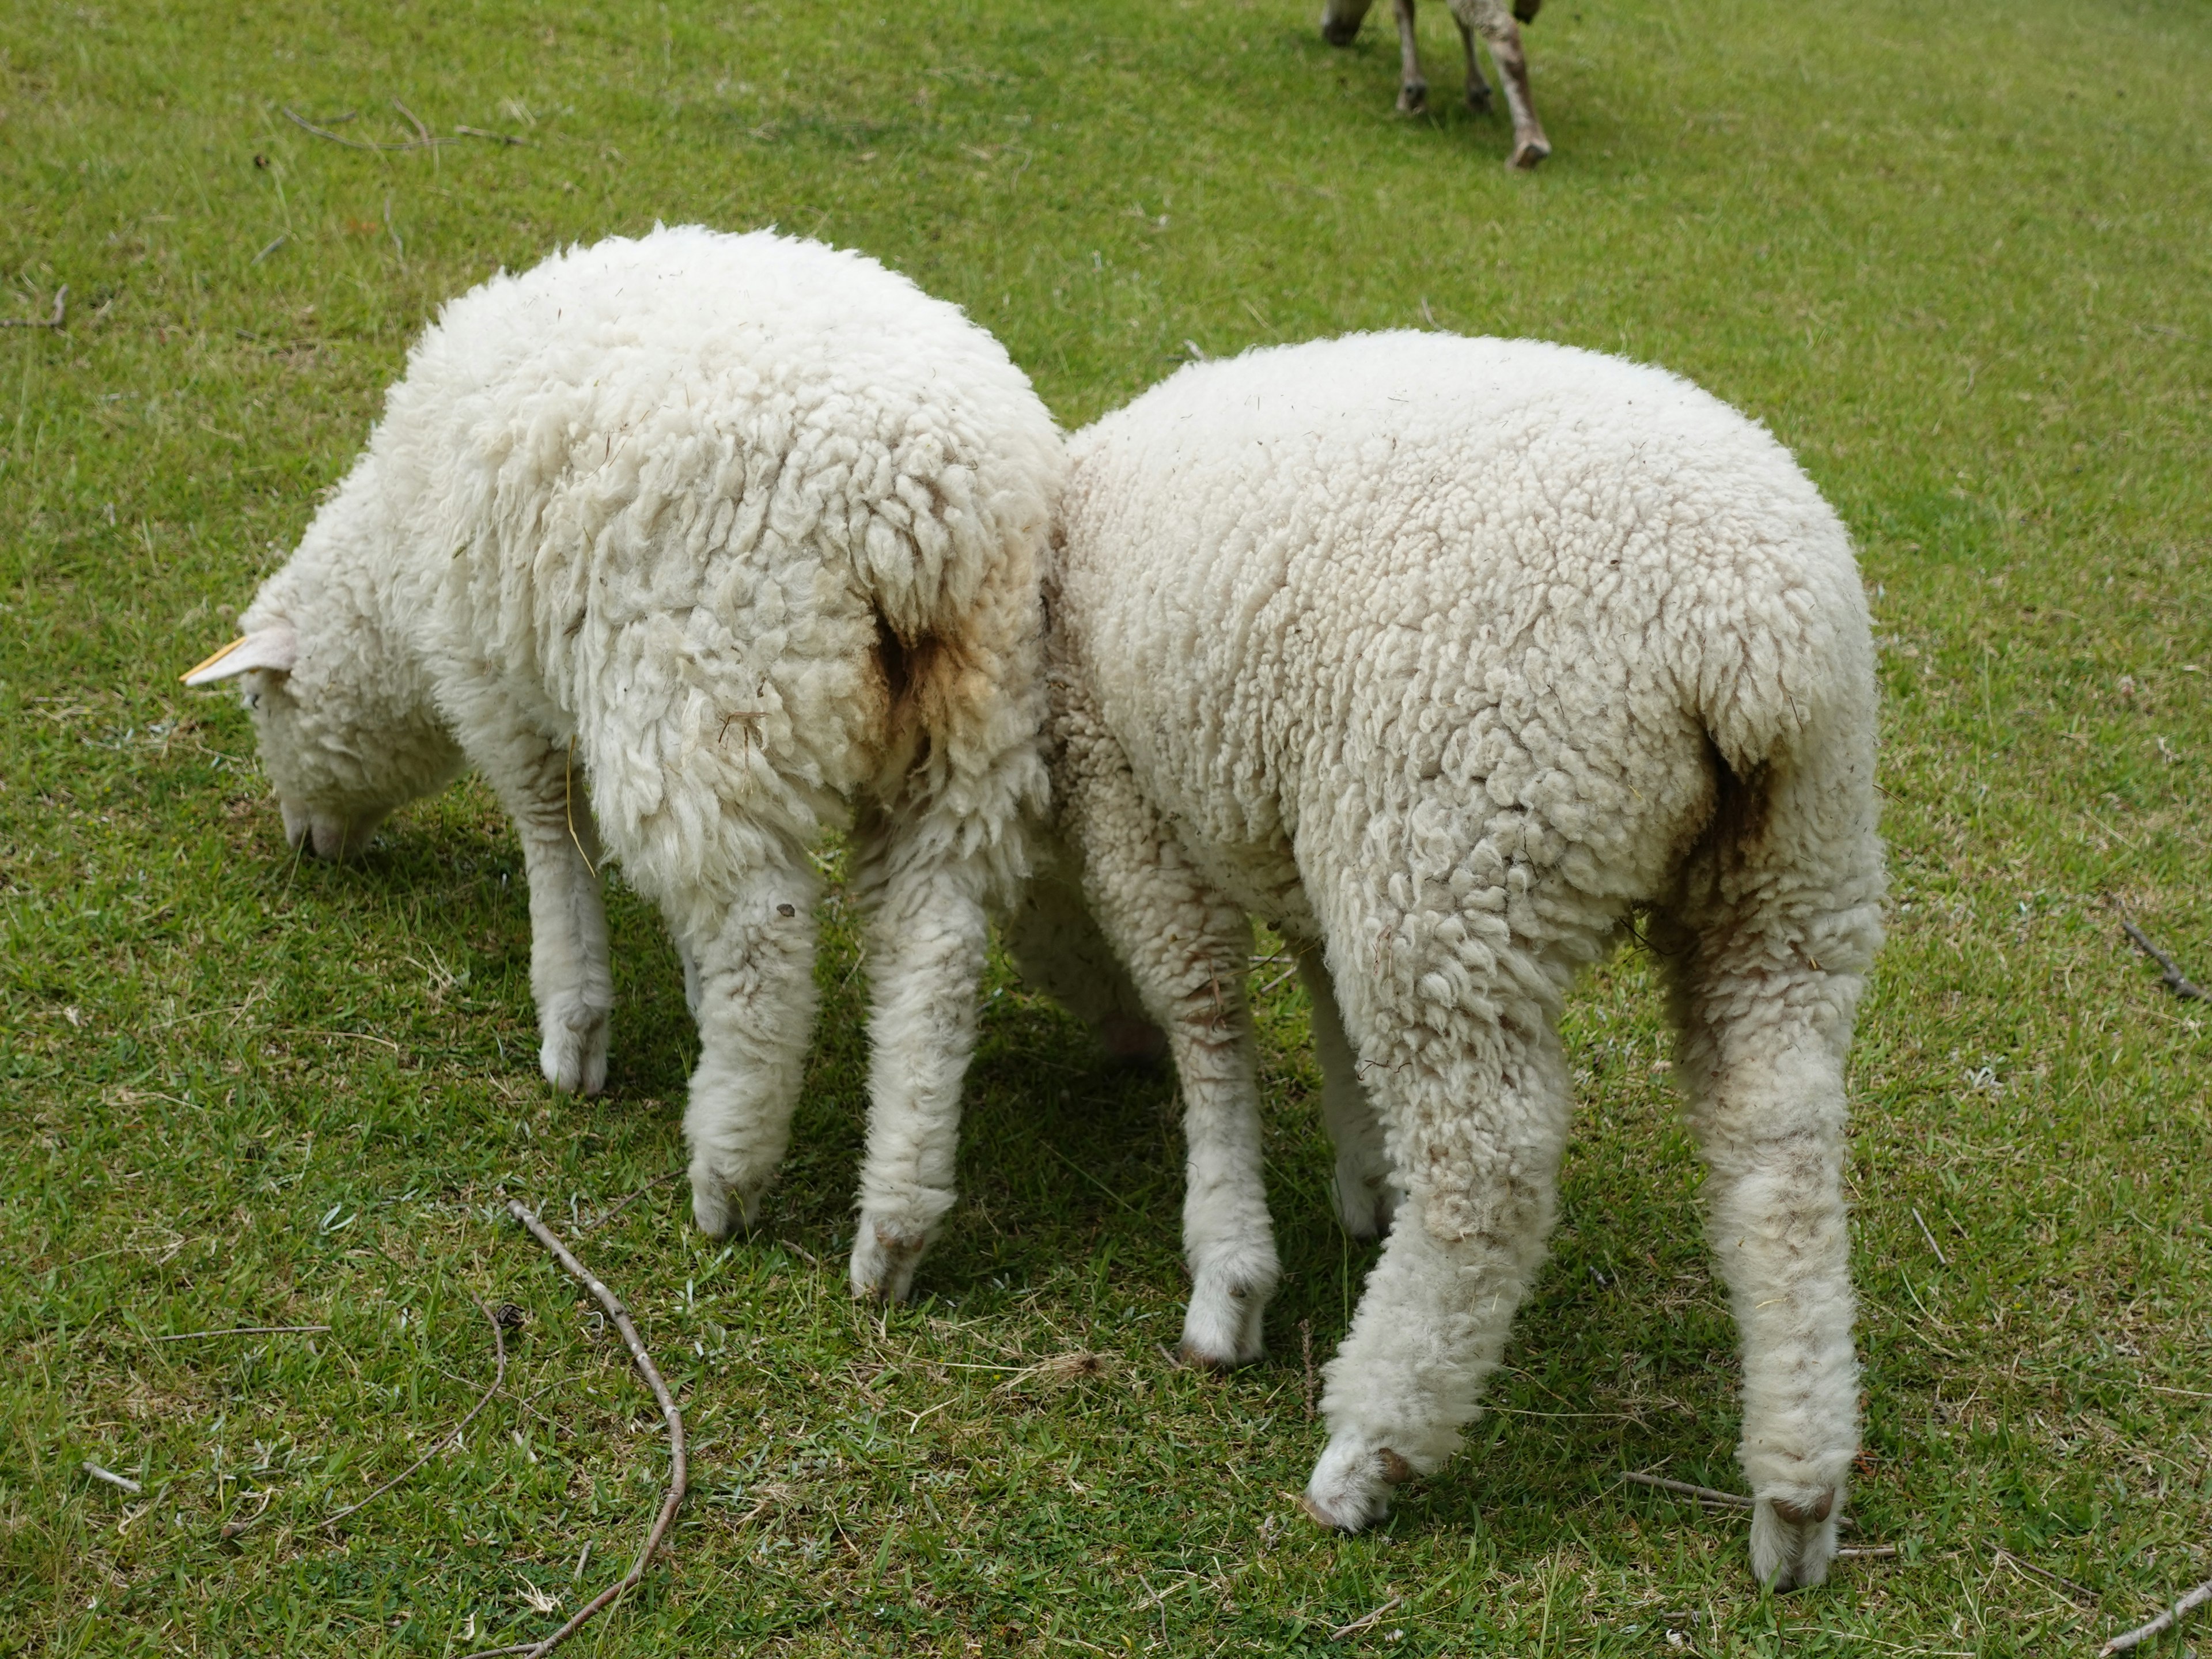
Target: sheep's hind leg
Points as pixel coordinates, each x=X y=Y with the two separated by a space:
x=1364 y=1192
x=1483 y=1122
x=570 y=980
x=1490 y=19
x=1764 y=958
x=1413 y=86
x=927 y=940
x=755 y=956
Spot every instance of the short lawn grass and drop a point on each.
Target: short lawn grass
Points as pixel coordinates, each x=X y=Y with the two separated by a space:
x=1959 y=257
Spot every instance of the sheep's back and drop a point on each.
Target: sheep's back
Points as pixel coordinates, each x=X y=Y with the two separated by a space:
x=1324 y=593
x=697 y=496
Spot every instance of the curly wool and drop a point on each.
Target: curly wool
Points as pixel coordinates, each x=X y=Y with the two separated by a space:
x=698 y=541
x=1447 y=656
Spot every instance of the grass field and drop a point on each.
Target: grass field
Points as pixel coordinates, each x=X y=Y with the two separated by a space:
x=1960 y=258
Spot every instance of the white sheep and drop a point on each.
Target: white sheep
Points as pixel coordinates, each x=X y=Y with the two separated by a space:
x=693 y=544
x=1450 y=658
x=1494 y=22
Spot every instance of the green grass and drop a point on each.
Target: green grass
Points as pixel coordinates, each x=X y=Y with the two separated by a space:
x=1956 y=257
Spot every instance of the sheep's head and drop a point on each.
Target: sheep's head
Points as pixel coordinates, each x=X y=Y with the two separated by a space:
x=342 y=739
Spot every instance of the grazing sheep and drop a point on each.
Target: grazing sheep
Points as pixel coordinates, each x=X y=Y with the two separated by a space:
x=1339 y=27
x=698 y=543
x=1451 y=659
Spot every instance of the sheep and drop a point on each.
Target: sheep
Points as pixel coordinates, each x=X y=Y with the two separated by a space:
x=694 y=544
x=1454 y=659
x=1339 y=27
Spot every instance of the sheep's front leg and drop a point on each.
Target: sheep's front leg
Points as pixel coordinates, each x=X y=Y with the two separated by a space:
x=1341 y=20
x=1365 y=1194
x=1483 y=1124
x=1412 y=87
x=927 y=940
x=1490 y=19
x=755 y=952
x=569 y=976
x=1478 y=89
x=1187 y=948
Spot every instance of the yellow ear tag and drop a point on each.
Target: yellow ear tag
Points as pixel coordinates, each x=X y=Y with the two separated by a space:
x=201 y=668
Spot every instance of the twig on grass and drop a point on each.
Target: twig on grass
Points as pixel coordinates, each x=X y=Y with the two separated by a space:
x=270 y=249
x=1705 y=1494
x=1866 y=1552
x=499 y=1320
x=1366 y=1620
x=621 y=1204
x=61 y=303
x=1942 y=1261
x=2173 y=979
x=112 y=1478
x=676 y=1468
x=241 y=1330
x=1305 y=1353
x=497 y=137
x=2078 y=1591
x=2166 y=1621
x=302 y=121
x=421 y=132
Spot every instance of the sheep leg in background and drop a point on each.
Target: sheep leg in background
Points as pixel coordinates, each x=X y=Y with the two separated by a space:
x=1413 y=88
x=926 y=944
x=1341 y=20
x=1490 y=19
x=542 y=789
x=1764 y=953
x=1478 y=89
x=1187 y=948
x=1364 y=1192
x=1482 y=1117
x=756 y=974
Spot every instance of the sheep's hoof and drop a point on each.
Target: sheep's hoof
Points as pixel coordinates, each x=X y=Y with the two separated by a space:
x=1224 y=1327
x=1350 y=1488
x=1337 y=33
x=1365 y=1203
x=574 y=1053
x=1793 y=1540
x=1478 y=98
x=1527 y=154
x=714 y=1210
x=1413 y=97
x=885 y=1259
x=1525 y=11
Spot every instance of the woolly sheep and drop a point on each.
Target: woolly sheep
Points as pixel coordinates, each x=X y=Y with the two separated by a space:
x=1451 y=658
x=1339 y=27
x=693 y=544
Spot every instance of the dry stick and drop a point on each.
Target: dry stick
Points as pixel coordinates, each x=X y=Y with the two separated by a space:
x=1866 y=1552
x=241 y=1330
x=112 y=1478
x=2044 y=1573
x=1305 y=1350
x=2166 y=1621
x=300 y=120
x=1364 y=1621
x=2174 y=979
x=61 y=300
x=620 y=1205
x=499 y=1345
x=674 y=1418
x=497 y=137
x=1706 y=1493
x=1941 y=1261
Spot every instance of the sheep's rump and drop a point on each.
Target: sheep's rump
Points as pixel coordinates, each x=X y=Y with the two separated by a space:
x=1324 y=592
x=753 y=521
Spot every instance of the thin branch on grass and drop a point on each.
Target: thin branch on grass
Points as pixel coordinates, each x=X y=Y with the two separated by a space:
x=499 y=1320
x=676 y=1466
x=1365 y=1621
x=1866 y=1552
x=270 y=249
x=1705 y=1494
x=241 y=1330
x=2173 y=979
x=124 y=1481
x=2166 y=1621
x=2078 y=1591
x=620 y=1205
x=497 y=137
x=1942 y=1261
x=302 y=121
x=61 y=303
x=421 y=132
x=1287 y=973
x=1305 y=1353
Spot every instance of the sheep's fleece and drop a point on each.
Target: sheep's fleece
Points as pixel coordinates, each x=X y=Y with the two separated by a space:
x=696 y=543
x=1450 y=658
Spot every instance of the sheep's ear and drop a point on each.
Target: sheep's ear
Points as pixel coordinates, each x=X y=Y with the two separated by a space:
x=273 y=648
